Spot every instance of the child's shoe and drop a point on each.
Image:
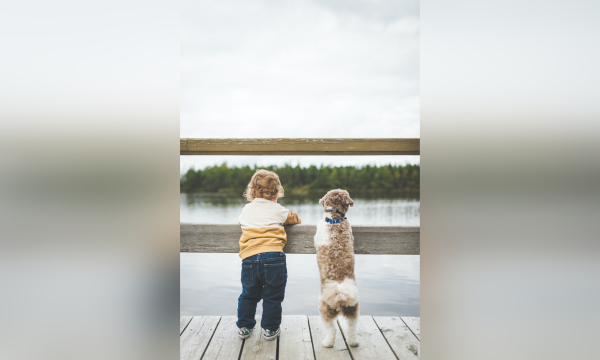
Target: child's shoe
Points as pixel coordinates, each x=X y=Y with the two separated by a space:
x=244 y=333
x=270 y=335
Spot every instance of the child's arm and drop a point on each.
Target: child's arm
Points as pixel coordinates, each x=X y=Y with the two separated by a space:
x=292 y=219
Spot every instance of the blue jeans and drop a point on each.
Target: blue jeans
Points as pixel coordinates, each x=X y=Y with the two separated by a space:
x=263 y=277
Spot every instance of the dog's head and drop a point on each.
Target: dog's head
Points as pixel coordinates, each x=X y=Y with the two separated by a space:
x=338 y=200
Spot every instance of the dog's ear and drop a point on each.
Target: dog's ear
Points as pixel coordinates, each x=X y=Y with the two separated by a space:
x=322 y=201
x=347 y=200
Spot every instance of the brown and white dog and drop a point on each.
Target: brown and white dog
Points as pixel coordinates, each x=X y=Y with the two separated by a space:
x=335 y=256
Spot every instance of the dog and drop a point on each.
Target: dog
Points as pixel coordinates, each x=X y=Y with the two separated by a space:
x=335 y=256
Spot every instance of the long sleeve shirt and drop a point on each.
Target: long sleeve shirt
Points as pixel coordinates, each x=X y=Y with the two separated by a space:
x=262 y=223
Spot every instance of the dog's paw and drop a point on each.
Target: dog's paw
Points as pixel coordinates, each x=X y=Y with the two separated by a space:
x=353 y=342
x=328 y=343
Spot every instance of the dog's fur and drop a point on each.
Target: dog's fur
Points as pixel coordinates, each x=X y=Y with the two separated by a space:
x=335 y=256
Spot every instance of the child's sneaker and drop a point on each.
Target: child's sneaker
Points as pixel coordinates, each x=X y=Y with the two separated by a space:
x=270 y=335
x=244 y=333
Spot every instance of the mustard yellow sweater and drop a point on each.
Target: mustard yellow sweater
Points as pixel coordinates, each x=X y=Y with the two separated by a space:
x=262 y=227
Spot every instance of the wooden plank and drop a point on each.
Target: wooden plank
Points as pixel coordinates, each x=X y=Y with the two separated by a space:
x=214 y=238
x=372 y=344
x=297 y=146
x=391 y=240
x=256 y=347
x=295 y=341
x=183 y=323
x=402 y=341
x=414 y=324
x=225 y=343
x=339 y=351
x=196 y=337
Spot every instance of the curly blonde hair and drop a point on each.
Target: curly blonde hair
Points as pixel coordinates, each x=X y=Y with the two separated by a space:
x=264 y=184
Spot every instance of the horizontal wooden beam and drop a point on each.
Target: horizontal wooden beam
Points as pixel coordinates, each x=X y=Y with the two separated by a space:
x=396 y=240
x=299 y=146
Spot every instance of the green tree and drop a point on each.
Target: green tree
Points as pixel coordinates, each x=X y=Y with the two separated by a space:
x=368 y=178
x=334 y=179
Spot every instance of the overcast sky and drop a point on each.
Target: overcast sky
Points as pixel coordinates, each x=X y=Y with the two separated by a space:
x=272 y=68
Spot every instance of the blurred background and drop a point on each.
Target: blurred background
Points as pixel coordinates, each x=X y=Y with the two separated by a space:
x=90 y=176
x=89 y=179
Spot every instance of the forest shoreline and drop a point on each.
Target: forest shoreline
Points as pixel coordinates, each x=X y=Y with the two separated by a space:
x=296 y=180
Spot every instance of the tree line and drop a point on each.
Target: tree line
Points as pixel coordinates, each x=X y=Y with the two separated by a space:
x=221 y=178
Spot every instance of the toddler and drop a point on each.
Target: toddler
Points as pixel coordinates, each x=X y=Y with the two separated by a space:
x=264 y=272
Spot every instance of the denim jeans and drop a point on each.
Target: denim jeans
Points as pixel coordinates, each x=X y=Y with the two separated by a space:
x=263 y=277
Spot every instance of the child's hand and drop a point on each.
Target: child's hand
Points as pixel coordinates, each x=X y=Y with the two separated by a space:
x=292 y=219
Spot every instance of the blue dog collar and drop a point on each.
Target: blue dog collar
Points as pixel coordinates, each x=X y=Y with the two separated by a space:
x=335 y=221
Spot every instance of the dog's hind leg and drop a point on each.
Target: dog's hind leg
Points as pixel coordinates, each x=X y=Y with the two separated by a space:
x=328 y=316
x=351 y=315
x=329 y=340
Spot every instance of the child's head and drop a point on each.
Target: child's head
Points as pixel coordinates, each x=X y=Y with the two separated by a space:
x=264 y=184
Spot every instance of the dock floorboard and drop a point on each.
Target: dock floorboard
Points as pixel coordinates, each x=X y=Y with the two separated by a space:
x=380 y=337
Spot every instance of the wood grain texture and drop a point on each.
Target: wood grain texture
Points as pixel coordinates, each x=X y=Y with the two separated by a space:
x=196 y=337
x=215 y=238
x=256 y=347
x=295 y=340
x=183 y=323
x=380 y=337
x=402 y=341
x=225 y=343
x=372 y=344
x=304 y=146
x=339 y=351
x=414 y=324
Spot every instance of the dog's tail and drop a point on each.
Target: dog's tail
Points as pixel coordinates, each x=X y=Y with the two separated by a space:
x=337 y=294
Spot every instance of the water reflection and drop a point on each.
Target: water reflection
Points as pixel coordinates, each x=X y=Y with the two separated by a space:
x=217 y=208
x=388 y=284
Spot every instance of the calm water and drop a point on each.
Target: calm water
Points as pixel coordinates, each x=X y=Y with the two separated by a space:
x=388 y=284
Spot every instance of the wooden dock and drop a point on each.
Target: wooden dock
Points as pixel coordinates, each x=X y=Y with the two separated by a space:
x=380 y=337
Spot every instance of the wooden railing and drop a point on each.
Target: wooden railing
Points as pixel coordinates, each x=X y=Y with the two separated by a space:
x=221 y=238
x=397 y=240
x=299 y=146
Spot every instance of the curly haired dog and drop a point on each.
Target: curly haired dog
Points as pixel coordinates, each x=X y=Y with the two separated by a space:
x=335 y=257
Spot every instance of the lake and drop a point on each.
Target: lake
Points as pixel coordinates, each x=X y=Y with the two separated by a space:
x=388 y=285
